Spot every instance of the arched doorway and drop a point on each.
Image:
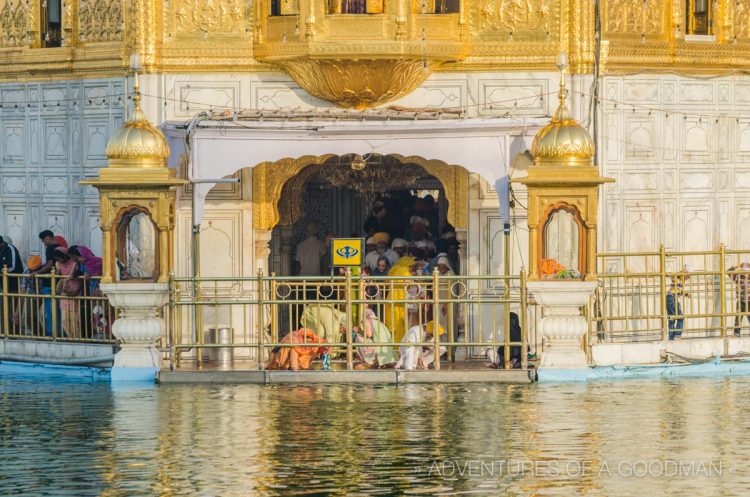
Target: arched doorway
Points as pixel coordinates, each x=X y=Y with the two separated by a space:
x=337 y=195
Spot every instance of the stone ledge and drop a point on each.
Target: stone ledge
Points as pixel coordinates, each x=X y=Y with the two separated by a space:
x=391 y=376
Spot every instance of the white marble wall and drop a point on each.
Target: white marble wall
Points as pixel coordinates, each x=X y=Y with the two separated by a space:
x=682 y=180
x=51 y=136
x=678 y=148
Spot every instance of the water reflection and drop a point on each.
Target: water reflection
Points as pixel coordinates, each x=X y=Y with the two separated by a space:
x=599 y=439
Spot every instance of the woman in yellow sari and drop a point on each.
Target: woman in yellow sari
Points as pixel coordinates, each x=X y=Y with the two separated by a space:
x=395 y=314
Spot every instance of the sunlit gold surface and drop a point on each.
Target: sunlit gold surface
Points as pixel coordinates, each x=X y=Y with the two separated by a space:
x=563 y=139
x=270 y=179
x=492 y=35
x=360 y=83
x=137 y=143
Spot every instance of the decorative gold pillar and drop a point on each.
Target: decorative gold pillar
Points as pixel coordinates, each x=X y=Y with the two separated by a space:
x=137 y=206
x=563 y=186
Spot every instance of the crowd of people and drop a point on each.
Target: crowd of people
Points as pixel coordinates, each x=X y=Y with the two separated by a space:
x=77 y=270
x=402 y=239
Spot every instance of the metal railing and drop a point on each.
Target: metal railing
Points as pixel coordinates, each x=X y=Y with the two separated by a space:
x=43 y=307
x=442 y=317
x=709 y=295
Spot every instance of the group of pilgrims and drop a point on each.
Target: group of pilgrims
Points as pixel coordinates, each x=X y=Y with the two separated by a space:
x=402 y=241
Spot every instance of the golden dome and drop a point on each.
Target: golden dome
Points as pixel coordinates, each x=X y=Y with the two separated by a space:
x=563 y=139
x=138 y=143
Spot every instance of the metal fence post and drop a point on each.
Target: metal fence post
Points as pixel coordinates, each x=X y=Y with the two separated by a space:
x=506 y=324
x=436 y=316
x=524 y=324
x=6 y=322
x=663 y=291
x=261 y=323
x=171 y=318
x=349 y=324
x=722 y=291
x=53 y=303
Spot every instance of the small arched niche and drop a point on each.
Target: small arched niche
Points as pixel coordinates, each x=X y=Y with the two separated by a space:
x=563 y=241
x=137 y=247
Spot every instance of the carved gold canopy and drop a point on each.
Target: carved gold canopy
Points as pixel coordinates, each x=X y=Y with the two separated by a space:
x=359 y=60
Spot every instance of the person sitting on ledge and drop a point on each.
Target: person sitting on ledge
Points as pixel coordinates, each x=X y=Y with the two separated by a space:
x=296 y=358
x=373 y=332
x=419 y=357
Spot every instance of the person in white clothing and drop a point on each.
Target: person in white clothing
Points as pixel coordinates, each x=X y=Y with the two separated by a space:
x=415 y=356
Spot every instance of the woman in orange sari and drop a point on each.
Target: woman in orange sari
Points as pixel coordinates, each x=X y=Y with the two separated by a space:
x=296 y=358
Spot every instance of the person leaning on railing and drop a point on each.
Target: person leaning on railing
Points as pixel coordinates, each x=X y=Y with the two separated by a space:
x=30 y=286
x=741 y=278
x=70 y=285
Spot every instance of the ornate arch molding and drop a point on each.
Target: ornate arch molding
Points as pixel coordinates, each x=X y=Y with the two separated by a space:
x=289 y=176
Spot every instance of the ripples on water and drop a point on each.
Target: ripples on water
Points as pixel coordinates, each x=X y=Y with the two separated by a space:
x=64 y=438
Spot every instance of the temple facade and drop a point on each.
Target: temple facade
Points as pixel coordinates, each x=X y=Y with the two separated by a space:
x=274 y=94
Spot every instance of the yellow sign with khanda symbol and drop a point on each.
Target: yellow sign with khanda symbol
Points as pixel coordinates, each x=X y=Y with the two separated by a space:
x=347 y=252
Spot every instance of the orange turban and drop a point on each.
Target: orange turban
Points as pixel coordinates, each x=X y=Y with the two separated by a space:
x=33 y=262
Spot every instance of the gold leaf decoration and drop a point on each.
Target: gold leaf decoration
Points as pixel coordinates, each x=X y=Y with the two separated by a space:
x=634 y=16
x=516 y=15
x=208 y=16
x=100 y=20
x=14 y=17
x=358 y=83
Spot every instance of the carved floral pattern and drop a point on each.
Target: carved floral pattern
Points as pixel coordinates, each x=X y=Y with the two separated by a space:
x=635 y=16
x=742 y=19
x=13 y=23
x=209 y=16
x=516 y=15
x=100 y=20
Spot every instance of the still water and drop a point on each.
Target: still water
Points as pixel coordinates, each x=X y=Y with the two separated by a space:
x=686 y=437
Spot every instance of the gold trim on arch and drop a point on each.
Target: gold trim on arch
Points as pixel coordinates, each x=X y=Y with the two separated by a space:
x=270 y=178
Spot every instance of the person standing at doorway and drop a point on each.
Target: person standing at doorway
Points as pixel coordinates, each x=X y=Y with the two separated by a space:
x=742 y=283
x=307 y=263
x=309 y=252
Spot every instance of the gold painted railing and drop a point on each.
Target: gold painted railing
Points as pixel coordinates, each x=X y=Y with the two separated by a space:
x=33 y=308
x=630 y=303
x=251 y=316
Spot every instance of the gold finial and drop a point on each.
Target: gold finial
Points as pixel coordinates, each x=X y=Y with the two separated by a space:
x=136 y=91
x=563 y=140
x=137 y=143
x=562 y=112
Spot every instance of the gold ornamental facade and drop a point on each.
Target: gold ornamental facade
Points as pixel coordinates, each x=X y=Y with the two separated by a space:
x=313 y=41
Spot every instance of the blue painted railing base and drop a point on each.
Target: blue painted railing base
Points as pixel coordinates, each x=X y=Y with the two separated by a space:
x=54 y=370
x=710 y=368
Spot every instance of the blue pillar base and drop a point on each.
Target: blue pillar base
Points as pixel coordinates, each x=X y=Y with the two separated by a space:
x=548 y=375
x=133 y=374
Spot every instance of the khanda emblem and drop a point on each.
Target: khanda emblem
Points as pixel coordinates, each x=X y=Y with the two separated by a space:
x=347 y=252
